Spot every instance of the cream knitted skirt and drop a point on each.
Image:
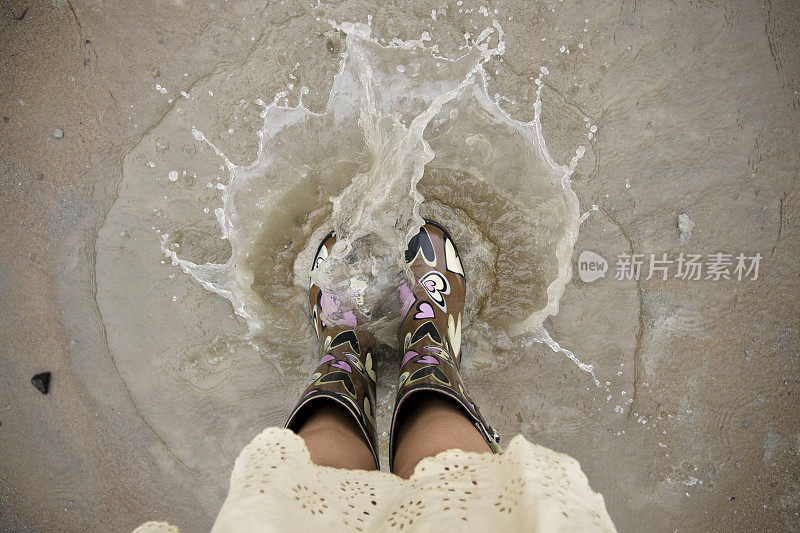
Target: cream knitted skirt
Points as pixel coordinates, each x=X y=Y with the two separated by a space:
x=276 y=487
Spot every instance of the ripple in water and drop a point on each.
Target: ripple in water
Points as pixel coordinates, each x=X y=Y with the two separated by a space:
x=406 y=134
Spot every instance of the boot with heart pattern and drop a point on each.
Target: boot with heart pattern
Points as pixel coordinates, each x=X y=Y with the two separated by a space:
x=430 y=333
x=345 y=374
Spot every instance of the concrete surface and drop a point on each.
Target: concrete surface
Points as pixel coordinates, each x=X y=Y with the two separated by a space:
x=697 y=110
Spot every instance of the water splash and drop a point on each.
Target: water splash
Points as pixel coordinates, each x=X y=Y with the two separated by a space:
x=405 y=130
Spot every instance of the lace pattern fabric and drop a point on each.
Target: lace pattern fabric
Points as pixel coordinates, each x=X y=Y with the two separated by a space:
x=275 y=487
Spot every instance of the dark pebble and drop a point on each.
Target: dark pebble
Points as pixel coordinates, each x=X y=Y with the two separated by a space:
x=6 y=119
x=41 y=382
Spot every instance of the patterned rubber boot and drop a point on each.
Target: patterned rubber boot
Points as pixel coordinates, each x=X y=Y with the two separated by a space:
x=430 y=333
x=345 y=374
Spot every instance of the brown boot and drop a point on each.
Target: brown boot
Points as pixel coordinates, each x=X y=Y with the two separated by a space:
x=430 y=333
x=345 y=374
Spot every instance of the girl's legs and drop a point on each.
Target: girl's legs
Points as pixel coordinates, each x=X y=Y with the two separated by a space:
x=433 y=424
x=333 y=439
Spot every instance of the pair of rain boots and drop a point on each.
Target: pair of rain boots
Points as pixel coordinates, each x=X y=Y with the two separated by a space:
x=430 y=337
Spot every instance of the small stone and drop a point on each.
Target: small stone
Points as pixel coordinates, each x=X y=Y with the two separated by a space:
x=6 y=119
x=41 y=382
x=685 y=227
x=58 y=133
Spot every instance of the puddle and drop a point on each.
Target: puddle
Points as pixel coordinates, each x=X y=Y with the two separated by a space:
x=407 y=131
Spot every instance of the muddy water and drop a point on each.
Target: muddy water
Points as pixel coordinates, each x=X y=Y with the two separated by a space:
x=406 y=132
x=217 y=346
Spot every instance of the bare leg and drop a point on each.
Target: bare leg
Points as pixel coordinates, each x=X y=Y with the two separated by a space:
x=433 y=424
x=333 y=439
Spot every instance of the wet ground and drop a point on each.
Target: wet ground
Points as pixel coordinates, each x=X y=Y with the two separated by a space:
x=684 y=108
